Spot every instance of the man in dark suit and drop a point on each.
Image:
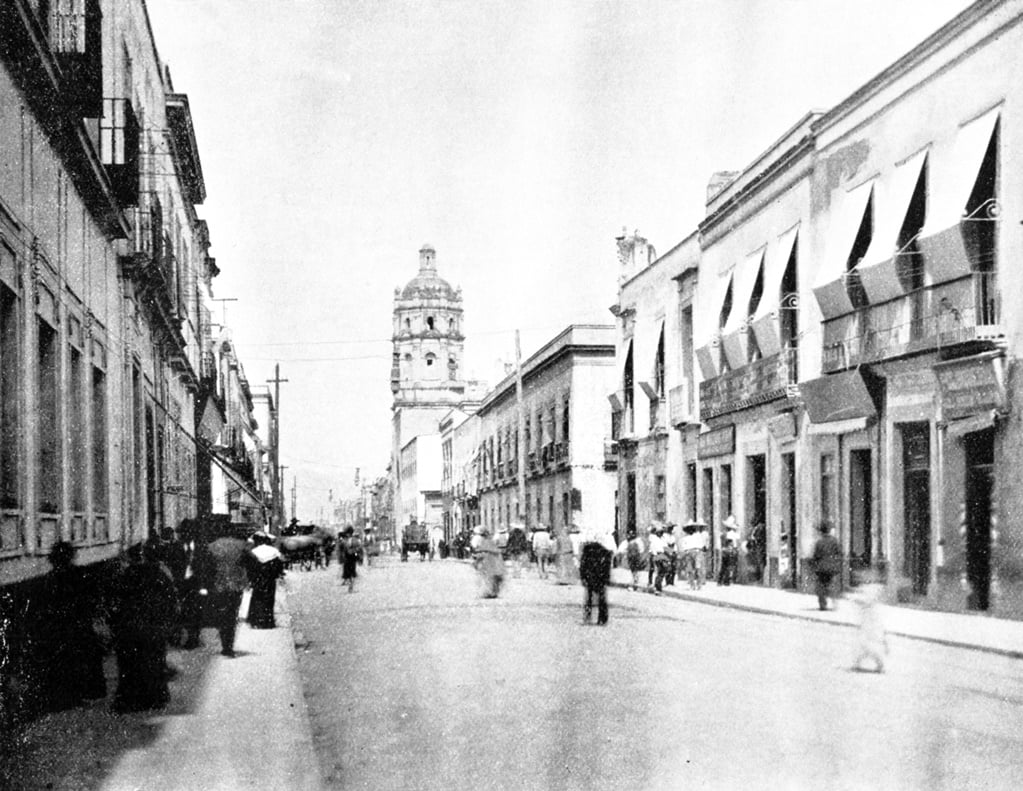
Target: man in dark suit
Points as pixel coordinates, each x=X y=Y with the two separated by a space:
x=595 y=572
x=188 y=561
x=224 y=580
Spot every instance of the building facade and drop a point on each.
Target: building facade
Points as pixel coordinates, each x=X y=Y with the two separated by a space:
x=653 y=401
x=565 y=418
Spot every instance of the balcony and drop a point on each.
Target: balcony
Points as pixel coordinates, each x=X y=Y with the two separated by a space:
x=561 y=453
x=954 y=313
x=759 y=382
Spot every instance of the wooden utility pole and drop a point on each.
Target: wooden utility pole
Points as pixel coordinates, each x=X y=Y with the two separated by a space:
x=294 y=497
x=277 y=522
x=520 y=449
x=279 y=494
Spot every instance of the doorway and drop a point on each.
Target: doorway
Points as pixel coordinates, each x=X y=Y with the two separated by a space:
x=860 y=508
x=756 y=491
x=916 y=487
x=789 y=566
x=708 y=518
x=980 y=457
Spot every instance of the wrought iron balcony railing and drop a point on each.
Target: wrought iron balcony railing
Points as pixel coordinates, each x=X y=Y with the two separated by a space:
x=934 y=317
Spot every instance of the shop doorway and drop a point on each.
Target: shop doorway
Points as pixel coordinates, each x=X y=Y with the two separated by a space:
x=756 y=493
x=860 y=508
x=708 y=519
x=980 y=457
x=916 y=488
x=788 y=562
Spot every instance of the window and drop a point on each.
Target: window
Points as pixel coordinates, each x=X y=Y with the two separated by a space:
x=828 y=489
x=853 y=285
x=752 y=348
x=788 y=313
x=660 y=486
x=659 y=366
x=429 y=322
x=726 y=310
x=565 y=433
x=430 y=359
x=10 y=417
x=139 y=440
x=627 y=384
x=691 y=491
x=67 y=26
x=566 y=507
x=452 y=369
x=78 y=464
x=49 y=470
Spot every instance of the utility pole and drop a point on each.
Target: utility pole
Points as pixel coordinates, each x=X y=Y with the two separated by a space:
x=520 y=449
x=277 y=520
x=294 y=498
x=279 y=495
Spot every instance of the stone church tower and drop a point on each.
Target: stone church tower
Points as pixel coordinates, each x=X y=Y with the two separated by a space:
x=427 y=382
x=428 y=342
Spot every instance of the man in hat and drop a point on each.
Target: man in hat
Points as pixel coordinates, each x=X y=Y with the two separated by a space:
x=827 y=562
x=658 y=556
x=226 y=581
x=596 y=553
x=671 y=551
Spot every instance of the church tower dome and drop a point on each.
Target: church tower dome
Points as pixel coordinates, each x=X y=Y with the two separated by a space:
x=427 y=339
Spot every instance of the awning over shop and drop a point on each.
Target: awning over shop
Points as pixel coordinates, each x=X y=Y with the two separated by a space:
x=960 y=428
x=953 y=174
x=734 y=336
x=838 y=426
x=837 y=397
x=706 y=330
x=765 y=322
x=707 y=358
x=846 y=218
x=892 y=196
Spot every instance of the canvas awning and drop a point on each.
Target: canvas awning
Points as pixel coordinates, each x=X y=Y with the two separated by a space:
x=706 y=331
x=765 y=324
x=954 y=173
x=734 y=334
x=837 y=397
x=829 y=288
x=892 y=196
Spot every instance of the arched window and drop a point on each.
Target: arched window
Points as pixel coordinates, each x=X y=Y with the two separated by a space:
x=408 y=323
x=429 y=322
x=407 y=373
x=452 y=368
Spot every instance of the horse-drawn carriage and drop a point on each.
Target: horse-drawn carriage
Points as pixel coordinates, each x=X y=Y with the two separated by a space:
x=415 y=537
x=308 y=547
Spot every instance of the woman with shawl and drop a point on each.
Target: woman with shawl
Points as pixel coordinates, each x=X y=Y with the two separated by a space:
x=266 y=567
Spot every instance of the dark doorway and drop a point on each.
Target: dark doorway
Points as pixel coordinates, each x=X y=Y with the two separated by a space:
x=916 y=457
x=860 y=506
x=757 y=536
x=980 y=456
x=708 y=518
x=789 y=531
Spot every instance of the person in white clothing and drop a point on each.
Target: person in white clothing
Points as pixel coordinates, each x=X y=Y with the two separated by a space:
x=541 y=544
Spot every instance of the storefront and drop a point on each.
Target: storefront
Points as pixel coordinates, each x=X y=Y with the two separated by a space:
x=973 y=406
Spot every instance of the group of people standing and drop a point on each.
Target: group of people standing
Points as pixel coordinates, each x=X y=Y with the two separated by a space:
x=161 y=593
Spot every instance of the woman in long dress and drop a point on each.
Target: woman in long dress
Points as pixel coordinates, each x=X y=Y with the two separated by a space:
x=489 y=563
x=349 y=550
x=266 y=567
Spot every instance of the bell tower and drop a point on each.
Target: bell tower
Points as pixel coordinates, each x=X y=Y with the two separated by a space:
x=427 y=339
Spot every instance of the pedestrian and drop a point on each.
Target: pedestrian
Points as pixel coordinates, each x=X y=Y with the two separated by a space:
x=658 y=554
x=66 y=650
x=597 y=550
x=729 y=563
x=144 y=612
x=267 y=568
x=756 y=551
x=436 y=539
x=873 y=638
x=566 y=566
x=518 y=548
x=827 y=562
x=488 y=562
x=227 y=578
x=651 y=567
x=349 y=550
x=634 y=551
x=671 y=551
x=692 y=553
x=542 y=549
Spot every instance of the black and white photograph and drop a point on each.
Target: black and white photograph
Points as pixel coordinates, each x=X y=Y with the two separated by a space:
x=526 y=395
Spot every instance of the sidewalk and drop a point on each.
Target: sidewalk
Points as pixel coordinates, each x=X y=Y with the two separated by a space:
x=976 y=632
x=231 y=724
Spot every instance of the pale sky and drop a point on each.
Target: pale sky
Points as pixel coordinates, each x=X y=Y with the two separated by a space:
x=517 y=137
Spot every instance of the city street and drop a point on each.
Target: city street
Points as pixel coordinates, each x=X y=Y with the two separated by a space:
x=415 y=682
